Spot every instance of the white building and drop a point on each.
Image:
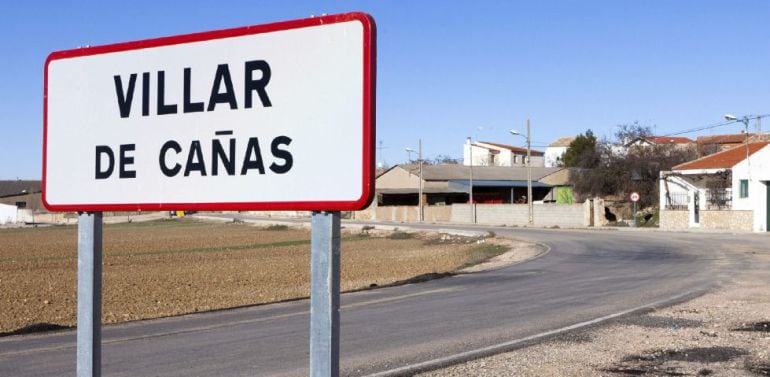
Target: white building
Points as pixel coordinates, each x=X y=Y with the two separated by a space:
x=676 y=142
x=7 y=214
x=555 y=151
x=493 y=154
x=726 y=190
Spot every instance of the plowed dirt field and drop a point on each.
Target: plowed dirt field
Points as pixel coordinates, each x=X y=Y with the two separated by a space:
x=172 y=267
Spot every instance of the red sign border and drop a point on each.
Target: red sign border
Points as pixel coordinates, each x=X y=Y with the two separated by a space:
x=368 y=121
x=631 y=197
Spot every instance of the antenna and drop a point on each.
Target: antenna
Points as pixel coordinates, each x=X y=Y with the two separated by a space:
x=380 y=148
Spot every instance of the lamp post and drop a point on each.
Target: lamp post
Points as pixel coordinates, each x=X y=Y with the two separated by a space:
x=531 y=219
x=745 y=121
x=470 y=183
x=419 y=190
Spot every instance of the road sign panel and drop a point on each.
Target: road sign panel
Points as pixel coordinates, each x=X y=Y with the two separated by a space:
x=268 y=117
x=635 y=196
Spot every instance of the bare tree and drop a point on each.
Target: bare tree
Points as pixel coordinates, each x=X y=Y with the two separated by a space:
x=620 y=172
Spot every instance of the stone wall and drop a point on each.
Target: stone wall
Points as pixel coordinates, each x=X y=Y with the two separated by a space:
x=727 y=220
x=674 y=220
x=722 y=220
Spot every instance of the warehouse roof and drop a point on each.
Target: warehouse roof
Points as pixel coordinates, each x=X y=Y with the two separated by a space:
x=18 y=187
x=450 y=172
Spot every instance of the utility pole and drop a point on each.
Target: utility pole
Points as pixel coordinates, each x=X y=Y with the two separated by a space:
x=419 y=187
x=529 y=176
x=419 y=157
x=470 y=184
x=380 y=148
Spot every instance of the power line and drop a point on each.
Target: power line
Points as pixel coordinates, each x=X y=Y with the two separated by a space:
x=717 y=125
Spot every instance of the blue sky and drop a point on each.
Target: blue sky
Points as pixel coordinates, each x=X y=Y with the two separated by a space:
x=448 y=70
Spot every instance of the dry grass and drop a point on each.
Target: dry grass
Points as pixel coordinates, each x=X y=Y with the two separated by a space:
x=173 y=267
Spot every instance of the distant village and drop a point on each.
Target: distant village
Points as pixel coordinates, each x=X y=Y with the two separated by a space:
x=712 y=182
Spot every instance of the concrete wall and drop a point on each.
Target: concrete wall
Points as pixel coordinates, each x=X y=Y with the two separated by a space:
x=289 y=214
x=674 y=220
x=33 y=201
x=432 y=214
x=567 y=216
x=7 y=214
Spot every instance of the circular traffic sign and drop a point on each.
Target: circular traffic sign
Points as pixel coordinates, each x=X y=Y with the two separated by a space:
x=635 y=196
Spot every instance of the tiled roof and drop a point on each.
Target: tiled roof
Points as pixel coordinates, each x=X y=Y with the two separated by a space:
x=511 y=148
x=562 y=142
x=668 y=140
x=722 y=139
x=722 y=160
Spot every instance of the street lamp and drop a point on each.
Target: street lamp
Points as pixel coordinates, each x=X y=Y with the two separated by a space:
x=419 y=191
x=531 y=219
x=745 y=121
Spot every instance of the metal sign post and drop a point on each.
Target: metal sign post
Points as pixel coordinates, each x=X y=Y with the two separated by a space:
x=152 y=110
x=89 y=329
x=325 y=295
x=635 y=198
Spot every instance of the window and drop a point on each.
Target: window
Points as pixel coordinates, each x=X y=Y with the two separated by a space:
x=21 y=205
x=744 y=188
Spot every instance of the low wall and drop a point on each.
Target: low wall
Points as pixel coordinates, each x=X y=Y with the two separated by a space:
x=431 y=214
x=561 y=215
x=673 y=220
x=727 y=220
x=281 y=214
x=721 y=220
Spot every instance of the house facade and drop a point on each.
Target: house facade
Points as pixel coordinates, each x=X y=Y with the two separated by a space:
x=482 y=153
x=728 y=190
x=555 y=151
x=672 y=141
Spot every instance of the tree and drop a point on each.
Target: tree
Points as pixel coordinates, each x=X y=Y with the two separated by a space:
x=443 y=159
x=627 y=133
x=582 y=152
x=618 y=172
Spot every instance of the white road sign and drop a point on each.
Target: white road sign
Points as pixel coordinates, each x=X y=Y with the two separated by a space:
x=277 y=116
x=635 y=196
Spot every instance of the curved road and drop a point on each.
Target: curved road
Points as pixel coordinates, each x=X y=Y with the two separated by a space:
x=585 y=276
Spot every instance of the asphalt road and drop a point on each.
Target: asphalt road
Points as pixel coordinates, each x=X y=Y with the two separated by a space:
x=586 y=275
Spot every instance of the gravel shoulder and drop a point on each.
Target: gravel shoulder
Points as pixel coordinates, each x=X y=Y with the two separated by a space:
x=725 y=332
